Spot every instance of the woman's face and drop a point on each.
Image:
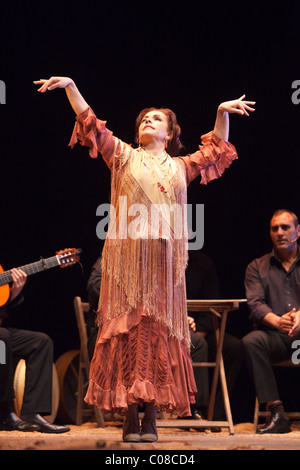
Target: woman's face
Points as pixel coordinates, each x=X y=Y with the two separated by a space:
x=154 y=127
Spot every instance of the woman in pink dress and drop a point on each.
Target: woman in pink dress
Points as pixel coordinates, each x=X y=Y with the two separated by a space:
x=142 y=352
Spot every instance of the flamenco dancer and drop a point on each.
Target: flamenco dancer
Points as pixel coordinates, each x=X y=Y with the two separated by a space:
x=142 y=350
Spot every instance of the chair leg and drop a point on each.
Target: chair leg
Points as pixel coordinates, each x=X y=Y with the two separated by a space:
x=226 y=396
x=79 y=396
x=99 y=417
x=256 y=412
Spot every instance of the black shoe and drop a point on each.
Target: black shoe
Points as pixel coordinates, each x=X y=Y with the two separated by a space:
x=195 y=415
x=11 y=422
x=215 y=429
x=44 y=426
x=278 y=424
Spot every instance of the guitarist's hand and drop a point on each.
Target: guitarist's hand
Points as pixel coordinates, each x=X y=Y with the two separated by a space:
x=19 y=279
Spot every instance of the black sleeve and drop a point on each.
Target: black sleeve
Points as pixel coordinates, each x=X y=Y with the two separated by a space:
x=93 y=290
x=6 y=311
x=202 y=282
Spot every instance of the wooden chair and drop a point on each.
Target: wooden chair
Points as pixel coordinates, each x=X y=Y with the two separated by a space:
x=260 y=414
x=84 y=363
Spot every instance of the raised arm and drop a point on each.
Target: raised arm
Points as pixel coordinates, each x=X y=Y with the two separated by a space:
x=88 y=129
x=238 y=106
x=76 y=100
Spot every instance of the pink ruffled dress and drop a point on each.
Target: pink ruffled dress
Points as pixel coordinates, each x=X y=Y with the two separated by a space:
x=142 y=352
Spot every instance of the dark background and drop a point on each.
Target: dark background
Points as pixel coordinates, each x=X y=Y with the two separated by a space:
x=189 y=56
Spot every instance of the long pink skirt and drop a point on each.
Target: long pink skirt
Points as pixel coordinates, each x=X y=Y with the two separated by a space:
x=141 y=364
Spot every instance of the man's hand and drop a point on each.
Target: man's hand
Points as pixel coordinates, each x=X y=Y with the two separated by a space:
x=192 y=323
x=295 y=316
x=19 y=279
x=285 y=322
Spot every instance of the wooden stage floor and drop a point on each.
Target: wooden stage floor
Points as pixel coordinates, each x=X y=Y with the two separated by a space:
x=109 y=439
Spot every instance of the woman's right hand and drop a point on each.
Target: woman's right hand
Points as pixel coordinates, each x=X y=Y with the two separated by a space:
x=77 y=101
x=52 y=83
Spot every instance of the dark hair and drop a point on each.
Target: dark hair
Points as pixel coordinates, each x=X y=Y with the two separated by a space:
x=174 y=144
x=282 y=211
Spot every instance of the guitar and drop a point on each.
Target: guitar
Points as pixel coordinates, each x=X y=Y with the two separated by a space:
x=63 y=258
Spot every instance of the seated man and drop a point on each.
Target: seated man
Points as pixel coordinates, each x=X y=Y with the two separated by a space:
x=93 y=291
x=37 y=350
x=202 y=283
x=272 y=285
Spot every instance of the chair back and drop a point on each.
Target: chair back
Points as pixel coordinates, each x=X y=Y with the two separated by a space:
x=80 y=309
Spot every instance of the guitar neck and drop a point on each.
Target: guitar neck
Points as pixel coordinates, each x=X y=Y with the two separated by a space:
x=32 y=268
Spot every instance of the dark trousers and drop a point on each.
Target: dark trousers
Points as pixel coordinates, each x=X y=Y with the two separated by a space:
x=203 y=350
x=37 y=350
x=262 y=347
x=199 y=353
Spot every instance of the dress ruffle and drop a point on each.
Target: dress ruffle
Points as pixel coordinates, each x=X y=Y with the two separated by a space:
x=221 y=155
x=91 y=132
x=211 y=160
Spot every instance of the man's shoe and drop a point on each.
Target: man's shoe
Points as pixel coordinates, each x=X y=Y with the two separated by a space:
x=195 y=415
x=278 y=424
x=44 y=426
x=11 y=422
x=215 y=429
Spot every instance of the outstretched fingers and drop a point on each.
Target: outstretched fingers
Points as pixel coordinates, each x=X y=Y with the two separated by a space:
x=245 y=106
x=45 y=84
x=52 y=83
x=238 y=106
x=39 y=82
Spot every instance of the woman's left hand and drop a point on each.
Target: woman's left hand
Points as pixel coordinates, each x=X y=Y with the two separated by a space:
x=238 y=106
